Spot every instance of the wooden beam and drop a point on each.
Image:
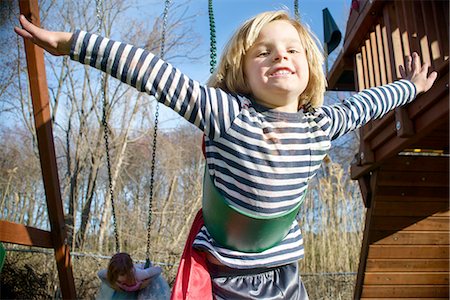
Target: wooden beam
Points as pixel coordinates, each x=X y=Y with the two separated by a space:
x=392 y=237
x=366 y=18
x=413 y=265
x=417 y=223
x=406 y=291
x=43 y=124
x=408 y=252
x=366 y=238
x=403 y=278
x=24 y=235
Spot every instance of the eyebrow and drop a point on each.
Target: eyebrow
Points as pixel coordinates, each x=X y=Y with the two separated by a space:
x=263 y=42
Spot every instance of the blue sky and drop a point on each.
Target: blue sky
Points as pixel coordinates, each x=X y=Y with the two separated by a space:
x=229 y=14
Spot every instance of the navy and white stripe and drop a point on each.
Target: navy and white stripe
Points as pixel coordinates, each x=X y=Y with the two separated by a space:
x=260 y=159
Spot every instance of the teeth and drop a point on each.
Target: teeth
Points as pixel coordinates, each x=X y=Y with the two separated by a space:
x=281 y=72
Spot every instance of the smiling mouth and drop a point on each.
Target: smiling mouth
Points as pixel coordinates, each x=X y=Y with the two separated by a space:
x=281 y=73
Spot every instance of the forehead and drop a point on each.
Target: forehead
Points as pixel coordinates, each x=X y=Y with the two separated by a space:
x=279 y=30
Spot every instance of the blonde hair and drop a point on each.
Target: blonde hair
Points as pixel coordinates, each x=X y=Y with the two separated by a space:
x=229 y=74
x=120 y=264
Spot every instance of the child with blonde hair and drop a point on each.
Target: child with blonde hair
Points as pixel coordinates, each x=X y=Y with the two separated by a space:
x=266 y=133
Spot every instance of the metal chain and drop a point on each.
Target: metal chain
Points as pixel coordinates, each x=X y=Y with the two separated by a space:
x=212 y=35
x=106 y=133
x=297 y=15
x=155 y=135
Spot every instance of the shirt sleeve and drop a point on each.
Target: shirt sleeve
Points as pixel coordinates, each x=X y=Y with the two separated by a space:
x=142 y=274
x=367 y=105
x=211 y=110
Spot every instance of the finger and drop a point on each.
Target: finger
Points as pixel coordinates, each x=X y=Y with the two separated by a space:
x=23 y=33
x=30 y=27
x=415 y=65
x=431 y=79
x=408 y=64
x=402 y=71
x=424 y=69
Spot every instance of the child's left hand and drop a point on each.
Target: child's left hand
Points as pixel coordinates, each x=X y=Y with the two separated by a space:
x=417 y=73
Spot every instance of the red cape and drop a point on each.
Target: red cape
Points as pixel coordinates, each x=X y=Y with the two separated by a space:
x=193 y=280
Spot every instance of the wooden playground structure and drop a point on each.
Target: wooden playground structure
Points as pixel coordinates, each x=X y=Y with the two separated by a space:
x=402 y=166
x=403 y=163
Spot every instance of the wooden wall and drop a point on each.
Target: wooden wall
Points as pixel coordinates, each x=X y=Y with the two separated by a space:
x=403 y=163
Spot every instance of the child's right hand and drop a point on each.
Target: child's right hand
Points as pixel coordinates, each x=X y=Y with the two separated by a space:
x=417 y=73
x=56 y=43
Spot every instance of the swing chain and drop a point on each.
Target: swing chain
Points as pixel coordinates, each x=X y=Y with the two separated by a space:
x=155 y=135
x=297 y=14
x=106 y=132
x=212 y=29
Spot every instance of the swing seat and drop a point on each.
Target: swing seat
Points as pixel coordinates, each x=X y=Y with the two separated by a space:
x=2 y=256
x=158 y=289
x=239 y=230
x=107 y=292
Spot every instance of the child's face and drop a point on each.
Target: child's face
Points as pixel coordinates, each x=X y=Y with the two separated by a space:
x=125 y=280
x=276 y=68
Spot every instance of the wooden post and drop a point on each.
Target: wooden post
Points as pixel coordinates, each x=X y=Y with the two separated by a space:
x=43 y=124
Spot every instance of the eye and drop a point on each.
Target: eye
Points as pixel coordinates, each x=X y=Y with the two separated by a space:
x=293 y=51
x=263 y=53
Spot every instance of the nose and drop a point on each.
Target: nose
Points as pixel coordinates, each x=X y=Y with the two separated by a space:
x=279 y=55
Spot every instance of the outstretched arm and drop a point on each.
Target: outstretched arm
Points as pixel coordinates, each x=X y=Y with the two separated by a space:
x=56 y=43
x=211 y=110
x=417 y=73
x=375 y=102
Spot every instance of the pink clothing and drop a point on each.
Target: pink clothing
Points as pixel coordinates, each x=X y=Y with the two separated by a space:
x=140 y=275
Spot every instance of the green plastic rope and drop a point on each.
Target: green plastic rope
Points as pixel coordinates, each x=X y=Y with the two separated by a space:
x=297 y=14
x=212 y=34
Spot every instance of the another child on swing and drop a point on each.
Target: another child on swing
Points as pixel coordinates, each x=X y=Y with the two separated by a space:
x=123 y=275
x=266 y=133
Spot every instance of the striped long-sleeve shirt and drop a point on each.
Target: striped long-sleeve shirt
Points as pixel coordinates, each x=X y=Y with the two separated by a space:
x=260 y=159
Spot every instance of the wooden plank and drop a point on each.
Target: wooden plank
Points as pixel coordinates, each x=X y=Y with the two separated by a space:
x=387 y=31
x=379 y=126
x=405 y=209
x=424 y=178
x=403 y=123
x=411 y=265
x=423 y=291
x=403 y=278
x=365 y=67
x=375 y=57
x=359 y=71
x=401 y=17
x=24 y=235
x=410 y=29
x=396 y=39
x=412 y=194
x=424 y=102
x=409 y=298
x=410 y=223
x=435 y=115
x=440 y=17
x=392 y=237
x=383 y=126
x=369 y=58
x=408 y=252
x=422 y=36
x=430 y=31
x=368 y=16
x=381 y=54
x=354 y=17
x=409 y=163
x=44 y=133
